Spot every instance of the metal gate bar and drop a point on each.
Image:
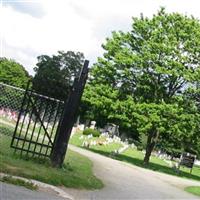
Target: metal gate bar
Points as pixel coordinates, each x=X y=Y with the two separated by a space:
x=36 y=124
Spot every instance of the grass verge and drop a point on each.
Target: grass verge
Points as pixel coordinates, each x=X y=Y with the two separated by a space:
x=193 y=189
x=156 y=164
x=76 y=173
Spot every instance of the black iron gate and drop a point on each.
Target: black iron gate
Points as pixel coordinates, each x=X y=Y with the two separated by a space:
x=44 y=124
x=37 y=124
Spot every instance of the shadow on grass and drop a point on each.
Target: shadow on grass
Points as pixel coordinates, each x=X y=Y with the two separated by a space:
x=6 y=131
x=26 y=157
x=151 y=166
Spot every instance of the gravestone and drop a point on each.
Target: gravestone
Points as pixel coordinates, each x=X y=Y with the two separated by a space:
x=112 y=129
x=92 y=125
x=187 y=160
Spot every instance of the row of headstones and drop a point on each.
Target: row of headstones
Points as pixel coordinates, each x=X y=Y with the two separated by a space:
x=12 y=116
x=82 y=127
x=111 y=133
x=112 y=129
x=8 y=114
x=108 y=140
x=168 y=158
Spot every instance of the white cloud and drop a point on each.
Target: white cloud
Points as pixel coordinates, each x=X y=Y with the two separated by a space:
x=73 y=25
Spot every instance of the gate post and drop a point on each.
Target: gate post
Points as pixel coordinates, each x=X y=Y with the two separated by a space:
x=68 y=119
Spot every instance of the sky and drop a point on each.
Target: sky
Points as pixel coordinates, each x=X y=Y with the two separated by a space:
x=29 y=28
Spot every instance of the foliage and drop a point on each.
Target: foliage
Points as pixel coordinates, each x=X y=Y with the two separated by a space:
x=140 y=81
x=140 y=147
x=55 y=74
x=182 y=129
x=13 y=73
x=143 y=141
x=93 y=132
x=11 y=98
x=97 y=101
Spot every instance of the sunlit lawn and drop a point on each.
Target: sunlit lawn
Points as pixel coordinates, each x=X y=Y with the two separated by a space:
x=76 y=173
x=136 y=157
x=194 y=190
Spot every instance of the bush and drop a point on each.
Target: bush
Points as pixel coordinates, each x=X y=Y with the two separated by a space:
x=139 y=148
x=89 y=131
x=136 y=143
x=139 y=145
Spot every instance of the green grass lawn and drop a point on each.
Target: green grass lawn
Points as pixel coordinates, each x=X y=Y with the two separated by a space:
x=76 y=173
x=135 y=157
x=194 y=190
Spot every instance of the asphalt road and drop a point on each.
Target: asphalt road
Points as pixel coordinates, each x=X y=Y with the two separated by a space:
x=12 y=192
x=124 y=181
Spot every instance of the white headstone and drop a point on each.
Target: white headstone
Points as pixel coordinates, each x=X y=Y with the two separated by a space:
x=92 y=125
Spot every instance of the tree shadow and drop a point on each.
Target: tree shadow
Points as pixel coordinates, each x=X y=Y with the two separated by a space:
x=152 y=166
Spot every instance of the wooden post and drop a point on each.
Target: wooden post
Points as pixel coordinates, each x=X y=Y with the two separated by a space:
x=68 y=119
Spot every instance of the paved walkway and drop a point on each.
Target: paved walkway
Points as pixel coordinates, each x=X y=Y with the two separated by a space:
x=124 y=181
x=13 y=192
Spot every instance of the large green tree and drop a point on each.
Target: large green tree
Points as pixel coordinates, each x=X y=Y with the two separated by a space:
x=174 y=127
x=145 y=70
x=54 y=74
x=13 y=73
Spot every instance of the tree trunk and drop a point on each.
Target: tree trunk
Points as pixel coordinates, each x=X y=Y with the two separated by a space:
x=151 y=141
x=149 y=149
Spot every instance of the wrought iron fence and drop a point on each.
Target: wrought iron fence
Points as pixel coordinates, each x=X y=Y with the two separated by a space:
x=36 y=116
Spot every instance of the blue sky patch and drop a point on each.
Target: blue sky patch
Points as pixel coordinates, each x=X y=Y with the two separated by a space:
x=35 y=9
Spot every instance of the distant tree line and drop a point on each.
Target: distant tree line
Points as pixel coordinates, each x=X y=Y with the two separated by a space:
x=54 y=75
x=13 y=73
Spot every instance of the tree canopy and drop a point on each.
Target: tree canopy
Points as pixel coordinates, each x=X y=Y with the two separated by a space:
x=13 y=73
x=140 y=80
x=54 y=74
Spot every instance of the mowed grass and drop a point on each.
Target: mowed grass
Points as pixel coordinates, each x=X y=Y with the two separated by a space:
x=194 y=190
x=135 y=157
x=156 y=164
x=76 y=172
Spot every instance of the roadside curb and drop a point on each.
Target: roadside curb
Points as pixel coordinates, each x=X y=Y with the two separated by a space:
x=42 y=186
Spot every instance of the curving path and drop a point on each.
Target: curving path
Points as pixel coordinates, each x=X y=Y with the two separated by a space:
x=124 y=181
